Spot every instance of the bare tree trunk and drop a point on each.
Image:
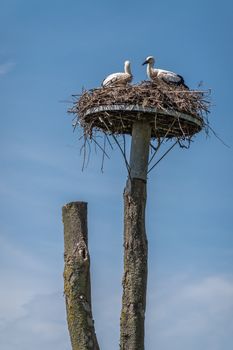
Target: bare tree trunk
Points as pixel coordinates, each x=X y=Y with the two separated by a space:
x=77 y=284
x=135 y=243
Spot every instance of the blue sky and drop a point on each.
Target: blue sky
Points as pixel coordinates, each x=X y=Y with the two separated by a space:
x=50 y=50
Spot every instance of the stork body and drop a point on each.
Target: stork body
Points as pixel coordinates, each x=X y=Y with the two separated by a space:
x=165 y=75
x=122 y=78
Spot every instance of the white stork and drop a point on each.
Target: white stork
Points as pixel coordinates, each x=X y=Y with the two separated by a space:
x=119 y=78
x=165 y=75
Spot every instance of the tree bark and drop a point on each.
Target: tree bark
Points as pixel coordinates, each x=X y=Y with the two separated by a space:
x=77 y=283
x=135 y=243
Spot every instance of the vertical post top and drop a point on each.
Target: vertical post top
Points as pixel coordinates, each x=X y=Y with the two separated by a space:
x=139 y=153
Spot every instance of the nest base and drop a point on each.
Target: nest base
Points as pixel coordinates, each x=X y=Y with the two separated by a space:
x=163 y=122
x=172 y=111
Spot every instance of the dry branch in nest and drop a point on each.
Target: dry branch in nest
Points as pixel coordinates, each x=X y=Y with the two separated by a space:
x=172 y=111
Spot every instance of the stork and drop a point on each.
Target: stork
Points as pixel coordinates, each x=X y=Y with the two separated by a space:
x=165 y=75
x=122 y=78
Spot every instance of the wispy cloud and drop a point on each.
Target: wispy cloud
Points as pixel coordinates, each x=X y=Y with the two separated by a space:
x=42 y=325
x=193 y=313
x=6 y=67
x=23 y=277
x=184 y=312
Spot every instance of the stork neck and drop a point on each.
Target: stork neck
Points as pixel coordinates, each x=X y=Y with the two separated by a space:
x=127 y=69
x=149 y=69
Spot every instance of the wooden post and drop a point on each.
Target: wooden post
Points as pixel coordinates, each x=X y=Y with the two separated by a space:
x=77 y=283
x=141 y=135
x=135 y=242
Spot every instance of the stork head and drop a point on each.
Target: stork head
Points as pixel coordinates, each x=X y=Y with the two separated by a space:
x=149 y=60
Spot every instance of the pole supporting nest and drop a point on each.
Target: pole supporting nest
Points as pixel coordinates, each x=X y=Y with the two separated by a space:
x=140 y=144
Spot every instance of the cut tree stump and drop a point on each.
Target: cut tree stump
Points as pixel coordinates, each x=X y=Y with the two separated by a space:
x=77 y=283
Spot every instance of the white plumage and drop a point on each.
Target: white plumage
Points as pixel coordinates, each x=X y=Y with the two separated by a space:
x=119 y=78
x=167 y=76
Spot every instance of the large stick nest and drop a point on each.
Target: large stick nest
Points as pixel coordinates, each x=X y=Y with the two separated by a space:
x=172 y=111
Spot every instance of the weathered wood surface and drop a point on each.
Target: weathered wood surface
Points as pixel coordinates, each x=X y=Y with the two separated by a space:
x=77 y=284
x=135 y=267
x=141 y=135
x=135 y=242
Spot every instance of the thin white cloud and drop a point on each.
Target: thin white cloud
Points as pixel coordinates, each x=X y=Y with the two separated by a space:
x=23 y=275
x=6 y=67
x=41 y=326
x=182 y=313
x=192 y=314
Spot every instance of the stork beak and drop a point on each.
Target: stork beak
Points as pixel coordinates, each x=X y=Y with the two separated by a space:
x=144 y=63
